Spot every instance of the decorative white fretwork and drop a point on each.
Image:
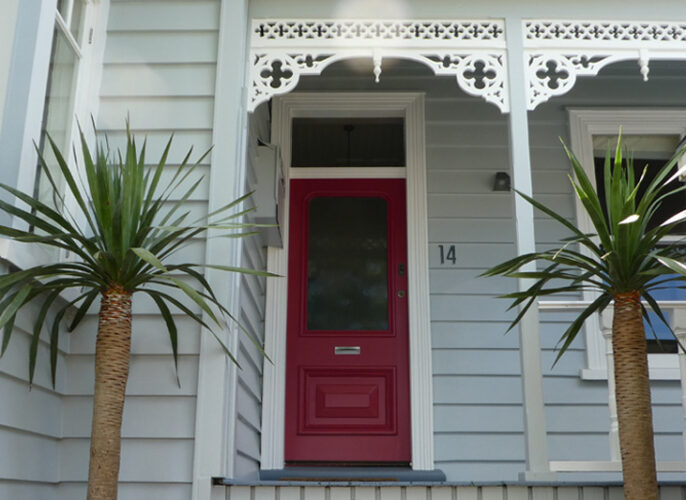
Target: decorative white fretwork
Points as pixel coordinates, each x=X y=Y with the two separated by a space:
x=606 y=31
x=473 y=51
x=558 y=52
x=343 y=31
x=478 y=74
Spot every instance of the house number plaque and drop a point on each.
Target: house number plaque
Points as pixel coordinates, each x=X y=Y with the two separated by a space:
x=447 y=255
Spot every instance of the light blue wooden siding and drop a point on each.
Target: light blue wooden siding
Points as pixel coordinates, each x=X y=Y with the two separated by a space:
x=478 y=415
x=252 y=309
x=477 y=410
x=31 y=421
x=159 y=70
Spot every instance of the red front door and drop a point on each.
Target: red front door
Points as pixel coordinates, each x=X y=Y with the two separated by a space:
x=347 y=380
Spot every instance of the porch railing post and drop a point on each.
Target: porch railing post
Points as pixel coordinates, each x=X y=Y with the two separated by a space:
x=606 y=329
x=535 y=437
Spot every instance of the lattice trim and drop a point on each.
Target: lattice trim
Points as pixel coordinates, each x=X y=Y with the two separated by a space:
x=295 y=32
x=607 y=32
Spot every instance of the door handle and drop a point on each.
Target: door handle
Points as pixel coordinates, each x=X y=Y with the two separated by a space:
x=345 y=349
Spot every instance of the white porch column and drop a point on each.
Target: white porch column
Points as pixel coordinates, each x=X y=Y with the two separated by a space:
x=537 y=465
x=215 y=409
x=606 y=328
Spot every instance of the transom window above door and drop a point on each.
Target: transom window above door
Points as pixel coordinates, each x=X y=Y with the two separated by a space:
x=348 y=142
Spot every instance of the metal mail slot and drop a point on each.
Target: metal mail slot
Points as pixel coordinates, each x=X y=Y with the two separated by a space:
x=351 y=349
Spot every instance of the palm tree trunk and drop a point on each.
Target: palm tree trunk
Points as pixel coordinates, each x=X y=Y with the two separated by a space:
x=632 y=386
x=112 y=351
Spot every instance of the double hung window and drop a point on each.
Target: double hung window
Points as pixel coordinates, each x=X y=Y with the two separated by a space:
x=652 y=136
x=648 y=154
x=62 y=103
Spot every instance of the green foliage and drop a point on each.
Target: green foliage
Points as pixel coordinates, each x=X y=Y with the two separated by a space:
x=621 y=255
x=126 y=225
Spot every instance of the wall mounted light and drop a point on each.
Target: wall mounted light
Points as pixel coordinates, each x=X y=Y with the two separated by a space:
x=502 y=182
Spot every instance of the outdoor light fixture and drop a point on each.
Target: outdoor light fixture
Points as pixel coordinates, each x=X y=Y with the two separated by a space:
x=502 y=182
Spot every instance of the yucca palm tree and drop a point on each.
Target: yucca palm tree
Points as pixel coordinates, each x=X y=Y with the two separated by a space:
x=125 y=226
x=621 y=262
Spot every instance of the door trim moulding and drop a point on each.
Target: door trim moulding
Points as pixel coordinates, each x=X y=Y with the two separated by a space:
x=411 y=107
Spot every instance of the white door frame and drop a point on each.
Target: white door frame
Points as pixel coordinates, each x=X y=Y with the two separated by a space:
x=410 y=106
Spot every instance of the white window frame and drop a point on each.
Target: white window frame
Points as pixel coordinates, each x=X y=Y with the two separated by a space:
x=85 y=104
x=584 y=123
x=411 y=107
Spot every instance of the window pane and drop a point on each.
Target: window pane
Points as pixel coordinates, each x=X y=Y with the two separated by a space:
x=667 y=343
x=651 y=151
x=76 y=25
x=347 y=264
x=348 y=142
x=640 y=146
x=57 y=116
x=62 y=7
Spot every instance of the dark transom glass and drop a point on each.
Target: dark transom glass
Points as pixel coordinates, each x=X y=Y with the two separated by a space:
x=348 y=142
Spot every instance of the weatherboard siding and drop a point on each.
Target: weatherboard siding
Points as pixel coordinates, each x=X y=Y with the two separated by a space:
x=248 y=433
x=159 y=71
x=30 y=419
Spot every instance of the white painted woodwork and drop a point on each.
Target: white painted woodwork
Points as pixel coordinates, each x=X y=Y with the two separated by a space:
x=557 y=51
x=7 y=30
x=606 y=328
x=525 y=242
x=307 y=46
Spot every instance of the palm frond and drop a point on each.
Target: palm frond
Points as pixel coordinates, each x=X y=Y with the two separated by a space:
x=621 y=255
x=125 y=224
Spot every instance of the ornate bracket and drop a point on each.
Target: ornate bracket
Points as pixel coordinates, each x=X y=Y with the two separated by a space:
x=558 y=52
x=472 y=51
